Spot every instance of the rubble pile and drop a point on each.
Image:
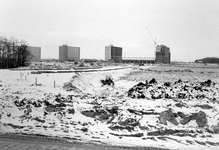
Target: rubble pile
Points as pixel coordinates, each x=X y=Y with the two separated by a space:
x=149 y=110
x=50 y=104
x=175 y=90
x=126 y=118
x=170 y=115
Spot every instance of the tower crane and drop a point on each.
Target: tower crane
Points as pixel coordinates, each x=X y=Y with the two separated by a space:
x=154 y=40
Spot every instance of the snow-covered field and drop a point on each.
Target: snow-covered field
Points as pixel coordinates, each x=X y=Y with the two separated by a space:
x=177 y=110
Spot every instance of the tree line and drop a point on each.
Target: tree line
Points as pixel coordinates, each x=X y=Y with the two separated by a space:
x=13 y=53
x=212 y=60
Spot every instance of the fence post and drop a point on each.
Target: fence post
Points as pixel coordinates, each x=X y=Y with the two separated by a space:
x=36 y=81
x=54 y=84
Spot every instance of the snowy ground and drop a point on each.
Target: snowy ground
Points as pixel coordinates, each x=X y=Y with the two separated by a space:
x=76 y=105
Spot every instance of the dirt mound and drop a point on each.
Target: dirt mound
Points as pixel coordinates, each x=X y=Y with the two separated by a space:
x=175 y=90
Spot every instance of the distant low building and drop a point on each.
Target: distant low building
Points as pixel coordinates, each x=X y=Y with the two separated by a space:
x=69 y=53
x=138 y=60
x=90 y=60
x=35 y=52
x=113 y=53
x=162 y=54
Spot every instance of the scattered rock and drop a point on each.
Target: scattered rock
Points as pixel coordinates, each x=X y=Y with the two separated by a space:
x=168 y=115
x=39 y=120
x=53 y=108
x=118 y=127
x=129 y=122
x=60 y=105
x=165 y=138
x=181 y=95
x=207 y=83
x=89 y=113
x=179 y=81
x=110 y=119
x=94 y=137
x=180 y=104
x=153 y=81
x=150 y=138
x=113 y=109
x=141 y=112
x=167 y=132
x=129 y=135
x=204 y=106
x=8 y=114
x=103 y=114
x=28 y=110
x=200 y=142
x=201 y=119
x=168 y=84
x=71 y=111
x=186 y=134
x=84 y=129
x=185 y=120
x=190 y=142
x=15 y=126
x=212 y=143
x=70 y=87
x=215 y=128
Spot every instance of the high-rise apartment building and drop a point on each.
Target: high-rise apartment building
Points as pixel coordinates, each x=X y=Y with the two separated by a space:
x=69 y=53
x=35 y=52
x=162 y=54
x=113 y=53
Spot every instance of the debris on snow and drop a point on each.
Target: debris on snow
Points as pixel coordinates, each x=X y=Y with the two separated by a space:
x=153 y=81
x=158 y=110
x=177 y=90
x=129 y=135
x=200 y=118
x=108 y=81
x=70 y=87
x=168 y=115
x=204 y=106
x=215 y=128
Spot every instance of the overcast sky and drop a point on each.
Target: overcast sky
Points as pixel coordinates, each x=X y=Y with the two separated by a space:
x=189 y=27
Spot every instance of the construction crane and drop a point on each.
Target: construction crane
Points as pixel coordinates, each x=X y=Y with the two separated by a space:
x=154 y=40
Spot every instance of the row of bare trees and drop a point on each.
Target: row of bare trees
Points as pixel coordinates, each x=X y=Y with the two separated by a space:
x=211 y=60
x=13 y=53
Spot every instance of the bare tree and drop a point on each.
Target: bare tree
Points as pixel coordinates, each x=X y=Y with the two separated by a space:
x=13 y=53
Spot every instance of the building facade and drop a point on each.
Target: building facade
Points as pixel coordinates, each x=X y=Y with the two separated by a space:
x=69 y=53
x=35 y=52
x=113 y=53
x=162 y=54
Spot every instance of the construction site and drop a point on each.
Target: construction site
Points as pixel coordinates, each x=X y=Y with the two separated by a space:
x=162 y=54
